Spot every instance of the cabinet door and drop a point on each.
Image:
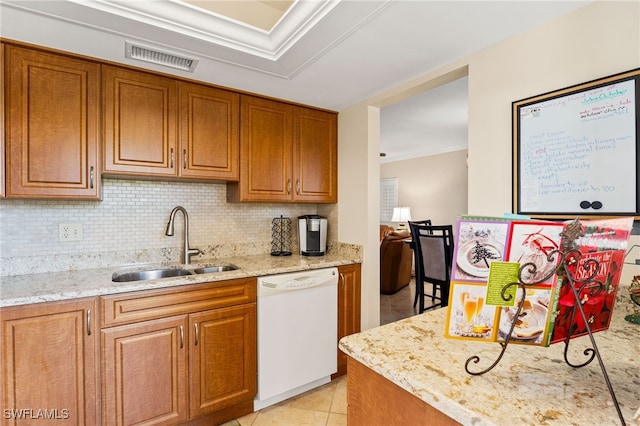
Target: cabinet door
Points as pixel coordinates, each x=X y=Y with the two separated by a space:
x=52 y=121
x=209 y=132
x=315 y=156
x=49 y=360
x=139 y=123
x=2 y=120
x=145 y=373
x=223 y=358
x=266 y=136
x=348 y=308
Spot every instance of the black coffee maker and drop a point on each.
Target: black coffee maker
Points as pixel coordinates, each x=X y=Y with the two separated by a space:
x=312 y=234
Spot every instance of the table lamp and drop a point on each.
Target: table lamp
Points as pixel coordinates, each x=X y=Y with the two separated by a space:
x=401 y=215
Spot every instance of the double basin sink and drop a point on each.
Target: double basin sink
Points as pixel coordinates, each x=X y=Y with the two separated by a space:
x=153 y=274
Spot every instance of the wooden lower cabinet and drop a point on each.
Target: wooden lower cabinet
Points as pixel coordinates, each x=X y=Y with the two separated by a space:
x=144 y=373
x=49 y=361
x=222 y=361
x=196 y=364
x=348 y=308
x=376 y=401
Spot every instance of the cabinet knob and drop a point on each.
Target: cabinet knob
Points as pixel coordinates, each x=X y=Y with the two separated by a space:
x=91 y=177
x=288 y=186
x=184 y=159
x=195 y=326
x=89 y=319
x=181 y=337
x=298 y=186
x=171 y=159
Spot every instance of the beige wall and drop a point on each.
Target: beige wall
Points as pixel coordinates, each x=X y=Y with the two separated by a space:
x=435 y=187
x=600 y=39
x=358 y=201
x=593 y=42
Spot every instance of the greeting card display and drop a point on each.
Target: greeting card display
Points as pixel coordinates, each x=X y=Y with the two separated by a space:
x=488 y=256
x=602 y=248
x=491 y=254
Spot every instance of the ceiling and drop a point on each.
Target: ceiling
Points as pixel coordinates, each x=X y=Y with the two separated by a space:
x=326 y=53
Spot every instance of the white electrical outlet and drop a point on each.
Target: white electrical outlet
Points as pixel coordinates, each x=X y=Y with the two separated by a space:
x=70 y=232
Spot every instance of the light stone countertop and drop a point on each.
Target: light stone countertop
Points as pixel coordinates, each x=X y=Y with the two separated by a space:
x=531 y=385
x=53 y=286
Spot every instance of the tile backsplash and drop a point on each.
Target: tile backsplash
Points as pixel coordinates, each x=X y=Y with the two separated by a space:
x=129 y=224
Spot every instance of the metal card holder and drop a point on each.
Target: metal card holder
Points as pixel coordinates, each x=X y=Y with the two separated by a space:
x=569 y=259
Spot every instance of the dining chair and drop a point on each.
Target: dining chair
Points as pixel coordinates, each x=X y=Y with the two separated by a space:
x=411 y=245
x=433 y=253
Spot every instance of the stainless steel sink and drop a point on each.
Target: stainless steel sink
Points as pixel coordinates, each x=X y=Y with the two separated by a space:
x=151 y=274
x=215 y=268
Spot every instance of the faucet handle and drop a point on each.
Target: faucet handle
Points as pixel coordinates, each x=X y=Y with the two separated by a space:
x=194 y=251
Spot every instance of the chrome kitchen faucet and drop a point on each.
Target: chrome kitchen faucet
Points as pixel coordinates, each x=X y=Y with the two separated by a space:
x=188 y=252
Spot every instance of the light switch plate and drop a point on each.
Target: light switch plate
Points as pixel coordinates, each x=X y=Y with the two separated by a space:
x=70 y=232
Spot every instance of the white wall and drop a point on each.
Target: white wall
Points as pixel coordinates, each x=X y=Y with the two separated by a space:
x=597 y=40
x=435 y=187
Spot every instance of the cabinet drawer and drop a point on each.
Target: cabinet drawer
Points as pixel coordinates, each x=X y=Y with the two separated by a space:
x=150 y=304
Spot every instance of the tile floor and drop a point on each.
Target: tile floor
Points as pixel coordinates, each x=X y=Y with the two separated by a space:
x=327 y=405
x=394 y=307
x=322 y=406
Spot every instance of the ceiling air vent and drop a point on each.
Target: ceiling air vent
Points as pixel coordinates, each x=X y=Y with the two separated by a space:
x=155 y=56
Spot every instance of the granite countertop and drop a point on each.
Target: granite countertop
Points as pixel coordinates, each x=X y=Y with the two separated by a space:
x=531 y=385
x=46 y=287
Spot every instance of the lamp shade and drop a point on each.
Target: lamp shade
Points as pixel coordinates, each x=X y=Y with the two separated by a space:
x=401 y=214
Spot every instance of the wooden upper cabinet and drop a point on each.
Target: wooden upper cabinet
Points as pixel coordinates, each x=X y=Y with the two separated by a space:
x=139 y=123
x=287 y=153
x=52 y=118
x=209 y=141
x=266 y=156
x=158 y=126
x=315 y=156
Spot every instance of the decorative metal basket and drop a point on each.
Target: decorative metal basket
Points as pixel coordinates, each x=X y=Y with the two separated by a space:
x=281 y=236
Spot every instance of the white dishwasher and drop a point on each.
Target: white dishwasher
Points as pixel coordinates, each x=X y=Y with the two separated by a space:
x=297 y=333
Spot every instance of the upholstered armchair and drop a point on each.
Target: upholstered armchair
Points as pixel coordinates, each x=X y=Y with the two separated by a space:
x=396 y=261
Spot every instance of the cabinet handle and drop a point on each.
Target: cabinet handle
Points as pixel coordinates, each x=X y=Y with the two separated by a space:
x=197 y=334
x=184 y=159
x=171 y=159
x=288 y=186
x=181 y=337
x=342 y=280
x=88 y=322
x=91 y=177
x=298 y=186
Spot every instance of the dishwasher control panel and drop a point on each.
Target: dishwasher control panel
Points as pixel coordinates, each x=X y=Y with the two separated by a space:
x=297 y=280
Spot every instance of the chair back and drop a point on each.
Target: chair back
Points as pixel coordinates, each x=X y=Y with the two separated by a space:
x=422 y=222
x=433 y=245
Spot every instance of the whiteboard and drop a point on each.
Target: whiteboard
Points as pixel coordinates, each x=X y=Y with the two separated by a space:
x=577 y=153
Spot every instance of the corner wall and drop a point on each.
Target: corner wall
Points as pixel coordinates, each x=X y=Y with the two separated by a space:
x=358 y=200
x=597 y=40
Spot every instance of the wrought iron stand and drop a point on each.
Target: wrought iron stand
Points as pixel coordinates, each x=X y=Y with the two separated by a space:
x=569 y=259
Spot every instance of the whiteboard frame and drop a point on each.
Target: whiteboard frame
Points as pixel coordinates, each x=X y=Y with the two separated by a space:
x=518 y=148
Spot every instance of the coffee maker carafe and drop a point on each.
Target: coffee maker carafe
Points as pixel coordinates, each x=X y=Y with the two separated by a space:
x=312 y=234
